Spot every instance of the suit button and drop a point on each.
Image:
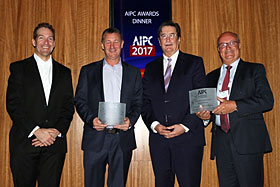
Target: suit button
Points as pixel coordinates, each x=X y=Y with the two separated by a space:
x=46 y=121
x=166 y=101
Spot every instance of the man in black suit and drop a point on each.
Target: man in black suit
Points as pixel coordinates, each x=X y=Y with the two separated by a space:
x=176 y=137
x=40 y=104
x=239 y=133
x=109 y=80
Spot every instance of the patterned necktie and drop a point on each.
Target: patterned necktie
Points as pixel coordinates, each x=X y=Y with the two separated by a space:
x=167 y=75
x=224 y=117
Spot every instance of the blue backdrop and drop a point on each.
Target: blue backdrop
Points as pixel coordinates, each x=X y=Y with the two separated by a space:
x=138 y=21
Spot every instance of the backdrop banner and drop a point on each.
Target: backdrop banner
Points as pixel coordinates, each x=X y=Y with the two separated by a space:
x=138 y=21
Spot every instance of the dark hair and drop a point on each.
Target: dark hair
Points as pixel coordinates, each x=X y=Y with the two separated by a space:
x=43 y=25
x=232 y=33
x=172 y=24
x=111 y=30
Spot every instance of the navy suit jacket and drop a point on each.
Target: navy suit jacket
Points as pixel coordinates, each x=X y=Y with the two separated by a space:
x=173 y=107
x=89 y=93
x=26 y=105
x=253 y=96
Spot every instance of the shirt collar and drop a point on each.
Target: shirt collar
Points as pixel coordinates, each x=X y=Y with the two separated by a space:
x=42 y=62
x=106 y=64
x=233 y=65
x=173 y=57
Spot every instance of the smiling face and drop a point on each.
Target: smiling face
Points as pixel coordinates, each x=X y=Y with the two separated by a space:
x=44 y=43
x=169 y=40
x=112 y=45
x=230 y=52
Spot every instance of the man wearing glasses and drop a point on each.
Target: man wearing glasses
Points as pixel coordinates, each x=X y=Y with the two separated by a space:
x=239 y=133
x=176 y=137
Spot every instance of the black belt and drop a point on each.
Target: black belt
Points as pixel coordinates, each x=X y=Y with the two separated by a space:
x=112 y=131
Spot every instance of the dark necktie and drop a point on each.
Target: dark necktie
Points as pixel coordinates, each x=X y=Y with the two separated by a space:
x=224 y=117
x=167 y=75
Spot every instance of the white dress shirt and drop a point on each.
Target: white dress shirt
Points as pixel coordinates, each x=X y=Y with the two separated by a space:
x=45 y=70
x=173 y=62
x=220 y=83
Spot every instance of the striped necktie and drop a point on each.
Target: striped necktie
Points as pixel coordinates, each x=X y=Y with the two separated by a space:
x=167 y=75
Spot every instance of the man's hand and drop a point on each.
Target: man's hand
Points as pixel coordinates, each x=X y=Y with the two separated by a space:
x=162 y=130
x=175 y=130
x=204 y=115
x=37 y=143
x=123 y=126
x=225 y=107
x=171 y=131
x=53 y=132
x=44 y=136
x=98 y=125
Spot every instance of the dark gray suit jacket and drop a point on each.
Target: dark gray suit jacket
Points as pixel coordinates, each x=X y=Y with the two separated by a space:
x=253 y=96
x=173 y=107
x=89 y=93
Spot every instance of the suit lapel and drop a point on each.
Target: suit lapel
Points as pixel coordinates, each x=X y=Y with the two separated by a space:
x=178 y=69
x=35 y=77
x=216 y=77
x=55 y=79
x=234 y=89
x=159 y=73
x=125 y=79
x=98 y=77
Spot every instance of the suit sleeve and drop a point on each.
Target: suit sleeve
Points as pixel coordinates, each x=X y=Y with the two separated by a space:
x=199 y=81
x=67 y=110
x=260 y=97
x=14 y=100
x=81 y=98
x=136 y=102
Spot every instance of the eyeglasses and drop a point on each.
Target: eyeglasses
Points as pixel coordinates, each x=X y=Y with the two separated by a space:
x=165 y=36
x=230 y=44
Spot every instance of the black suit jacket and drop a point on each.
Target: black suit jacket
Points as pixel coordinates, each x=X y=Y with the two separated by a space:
x=253 y=96
x=173 y=107
x=27 y=106
x=89 y=93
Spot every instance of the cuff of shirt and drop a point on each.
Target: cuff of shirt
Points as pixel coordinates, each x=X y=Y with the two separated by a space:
x=36 y=128
x=32 y=132
x=205 y=122
x=186 y=128
x=153 y=126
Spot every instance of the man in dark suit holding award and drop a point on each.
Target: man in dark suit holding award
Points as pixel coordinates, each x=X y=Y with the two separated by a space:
x=109 y=80
x=40 y=104
x=176 y=137
x=239 y=133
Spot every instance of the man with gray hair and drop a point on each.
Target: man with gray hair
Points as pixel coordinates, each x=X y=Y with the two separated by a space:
x=239 y=133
